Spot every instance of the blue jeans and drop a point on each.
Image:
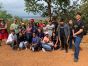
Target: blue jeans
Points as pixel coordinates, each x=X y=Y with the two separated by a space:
x=77 y=41
x=47 y=47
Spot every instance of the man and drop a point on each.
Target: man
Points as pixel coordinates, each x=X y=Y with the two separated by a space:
x=63 y=33
x=14 y=26
x=77 y=34
x=54 y=21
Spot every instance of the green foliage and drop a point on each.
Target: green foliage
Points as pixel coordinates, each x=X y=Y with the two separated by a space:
x=84 y=10
x=4 y=14
x=38 y=6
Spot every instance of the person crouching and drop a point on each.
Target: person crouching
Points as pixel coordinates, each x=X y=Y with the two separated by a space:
x=22 y=42
x=36 y=45
x=12 y=39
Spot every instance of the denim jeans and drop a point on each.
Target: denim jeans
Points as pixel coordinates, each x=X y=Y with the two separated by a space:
x=29 y=37
x=77 y=41
x=47 y=47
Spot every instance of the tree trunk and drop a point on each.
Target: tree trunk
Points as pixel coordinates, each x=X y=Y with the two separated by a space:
x=49 y=9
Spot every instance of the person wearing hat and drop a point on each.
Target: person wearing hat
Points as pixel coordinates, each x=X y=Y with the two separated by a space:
x=3 y=31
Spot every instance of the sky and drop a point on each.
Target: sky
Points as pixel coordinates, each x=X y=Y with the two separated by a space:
x=15 y=7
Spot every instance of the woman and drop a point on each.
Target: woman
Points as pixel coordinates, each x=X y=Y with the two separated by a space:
x=3 y=31
x=40 y=33
x=47 y=44
x=55 y=40
x=29 y=33
x=70 y=23
x=36 y=45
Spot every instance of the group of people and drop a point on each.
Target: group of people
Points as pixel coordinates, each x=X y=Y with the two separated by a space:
x=46 y=37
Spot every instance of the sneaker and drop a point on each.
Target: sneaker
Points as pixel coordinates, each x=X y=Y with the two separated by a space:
x=33 y=49
x=26 y=48
x=75 y=60
x=43 y=50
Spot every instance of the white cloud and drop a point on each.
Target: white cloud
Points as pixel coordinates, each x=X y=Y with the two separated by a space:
x=14 y=7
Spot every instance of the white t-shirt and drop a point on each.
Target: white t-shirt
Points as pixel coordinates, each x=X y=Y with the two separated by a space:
x=11 y=38
x=50 y=29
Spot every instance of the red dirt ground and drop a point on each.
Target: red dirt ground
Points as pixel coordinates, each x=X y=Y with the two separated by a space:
x=9 y=57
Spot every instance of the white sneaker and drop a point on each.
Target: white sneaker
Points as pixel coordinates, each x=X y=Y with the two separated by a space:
x=33 y=49
x=43 y=50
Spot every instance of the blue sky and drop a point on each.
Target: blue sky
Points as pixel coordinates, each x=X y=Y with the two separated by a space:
x=15 y=7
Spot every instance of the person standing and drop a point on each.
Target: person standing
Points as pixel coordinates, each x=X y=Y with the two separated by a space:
x=78 y=35
x=29 y=33
x=70 y=23
x=3 y=31
x=63 y=33
x=15 y=26
x=50 y=28
x=55 y=22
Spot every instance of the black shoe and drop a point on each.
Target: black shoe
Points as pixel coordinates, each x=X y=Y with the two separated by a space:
x=75 y=60
x=0 y=45
x=66 y=51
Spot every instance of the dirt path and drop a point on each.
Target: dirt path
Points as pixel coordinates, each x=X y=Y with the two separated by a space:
x=8 y=57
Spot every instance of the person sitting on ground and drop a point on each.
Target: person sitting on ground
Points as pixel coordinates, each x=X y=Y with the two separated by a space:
x=22 y=40
x=47 y=44
x=12 y=39
x=55 y=40
x=40 y=34
x=36 y=45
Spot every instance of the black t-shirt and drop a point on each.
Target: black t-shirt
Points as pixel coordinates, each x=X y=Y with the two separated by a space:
x=54 y=39
x=77 y=26
x=55 y=24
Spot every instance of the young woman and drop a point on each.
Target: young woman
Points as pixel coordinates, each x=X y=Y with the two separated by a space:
x=3 y=31
x=29 y=33
x=55 y=41
x=40 y=33
x=22 y=40
x=70 y=23
x=47 y=44
x=35 y=43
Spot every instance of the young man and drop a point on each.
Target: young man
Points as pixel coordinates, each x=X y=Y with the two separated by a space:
x=77 y=34
x=12 y=39
x=14 y=26
x=63 y=33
